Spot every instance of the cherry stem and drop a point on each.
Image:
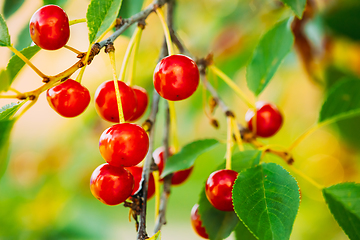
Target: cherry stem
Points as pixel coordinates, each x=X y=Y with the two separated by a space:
x=228 y=142
x=73 y=49
x=306 y=177
x=27 y=61
x=133 y=63
x=157 y=193
x=166 y=31
x=81 y=20
x=173 y=126
x=237 y=134
x=127 y=55
x=232 y=85
x=117 y=91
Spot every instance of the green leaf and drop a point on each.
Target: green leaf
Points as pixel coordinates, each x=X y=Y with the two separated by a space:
x=60 y=3
x=342 y=101
x=100 y=15
x=23 y=40
x=266 y=198
x=4 y=80
x=267 y=56
x=242 y=233
x=220 y=224
x=298 y=6
x=9 y=110
x=6 y=124
x=187 y=155
x=129 y=8
x=343 y=18
x=344 y=203
x=11 y=6
x=4 y=33
x=16 y=64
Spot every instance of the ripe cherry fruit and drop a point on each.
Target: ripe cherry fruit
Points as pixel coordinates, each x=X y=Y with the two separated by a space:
x=69 y=98
x=218 y=189
x=124 y=144
x=268 y=119
x=142 y=102
x=106 y=103
x=136 y=171
x=176 y=77
x=111 y=185
x=197 y=223
x=49 y=27
x=179 y=176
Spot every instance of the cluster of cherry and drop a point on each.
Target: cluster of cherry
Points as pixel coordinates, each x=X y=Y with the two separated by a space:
x=125 y=145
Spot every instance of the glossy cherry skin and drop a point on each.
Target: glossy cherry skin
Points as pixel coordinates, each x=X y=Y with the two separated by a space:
x=69 y=98
x=268 y=119
x=106 y=104
x=218 y=189
x=111 y=185
x=142 y=102
x=49 y=27
x=176 y=77
x=136 y=171
x=124 y=144
x=178 y=177
x=197 y=223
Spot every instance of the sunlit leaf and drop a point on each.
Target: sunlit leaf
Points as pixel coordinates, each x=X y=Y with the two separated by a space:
x=342 y=101
x=298 y=6
x=344 y=203
x=55 y=2
x=266 y=198
x=268 y=55
x=187 y=155
x=11 y=6
x=100 y=15
x=4 y=33
x=4 y=80
x=16 y=64
x=220 y=224
x=6 y=124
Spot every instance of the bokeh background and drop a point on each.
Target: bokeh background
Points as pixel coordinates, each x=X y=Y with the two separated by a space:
x=44 y=193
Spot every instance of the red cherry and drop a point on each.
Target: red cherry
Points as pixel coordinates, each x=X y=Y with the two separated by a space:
x=124 y=144
x=268 y=119
x=142 y=102
x=179 y=176
x=136 y=171
x=176 y=77
x=106 y=104
x=197 y=223
x=69 y=98
x=49 y=27
x=111 y=185
x=218 y=189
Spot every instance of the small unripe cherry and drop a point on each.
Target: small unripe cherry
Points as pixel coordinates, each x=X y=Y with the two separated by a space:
x=136 y=171
x=124 y=144
x=176 y=77
x=111 y=185
x=218 y=189
x=179 y=176
x=197 y=223
x=268 y=119
x=49 y=27
x=142 y=102
x=106 y=104
x=69 y=98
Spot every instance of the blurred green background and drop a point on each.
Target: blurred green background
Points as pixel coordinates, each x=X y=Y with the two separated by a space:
x=45 y=193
